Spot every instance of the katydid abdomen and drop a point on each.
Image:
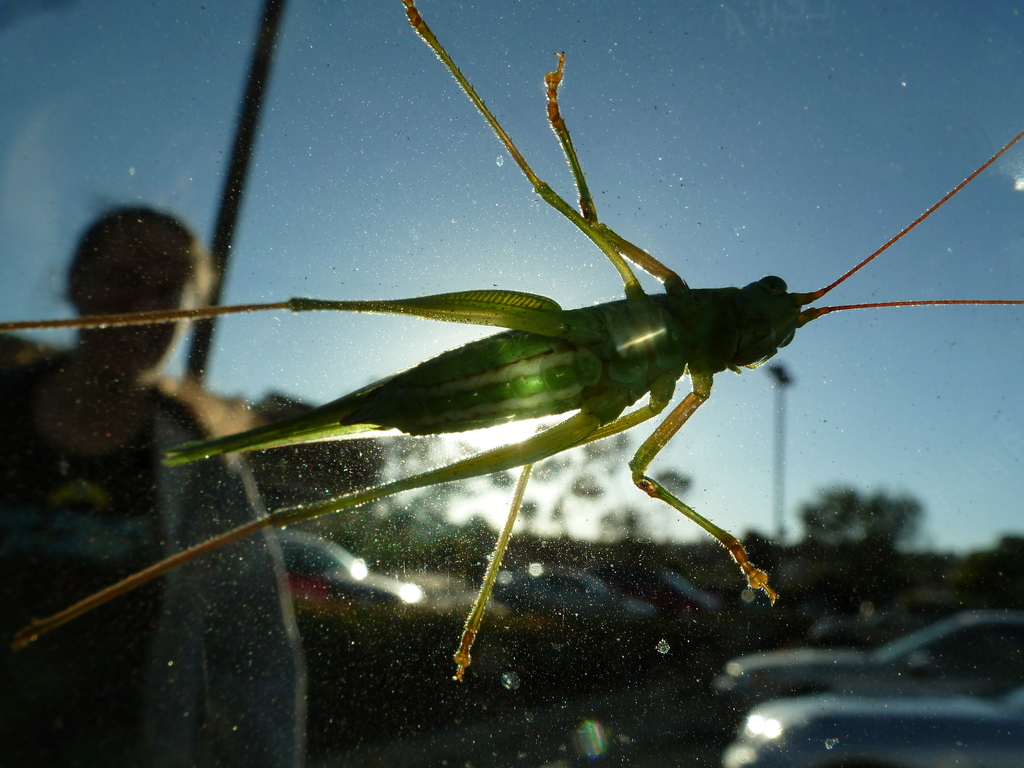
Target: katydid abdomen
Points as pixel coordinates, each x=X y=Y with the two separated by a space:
x=612 y=358
x=518 y=375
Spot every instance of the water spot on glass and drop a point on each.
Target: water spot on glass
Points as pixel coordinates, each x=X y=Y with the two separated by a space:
x=831 y=743
x=663 y=647
x=510 y=680
x=590 y=739
x=500 y=161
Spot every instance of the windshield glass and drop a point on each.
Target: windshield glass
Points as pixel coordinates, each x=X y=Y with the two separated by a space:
x=904 y=646
x=160 y=157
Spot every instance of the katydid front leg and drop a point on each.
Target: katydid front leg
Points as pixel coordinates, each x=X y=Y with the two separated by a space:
x=756 y=578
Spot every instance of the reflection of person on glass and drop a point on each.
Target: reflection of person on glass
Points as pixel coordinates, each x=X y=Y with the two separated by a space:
x=202 y=668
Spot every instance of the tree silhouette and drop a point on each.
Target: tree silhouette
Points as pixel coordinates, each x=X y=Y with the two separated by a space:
x=851 y=544
x=994 y=578
x=844 y=516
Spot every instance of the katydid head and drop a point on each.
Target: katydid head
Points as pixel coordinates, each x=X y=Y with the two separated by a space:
x=768 y=318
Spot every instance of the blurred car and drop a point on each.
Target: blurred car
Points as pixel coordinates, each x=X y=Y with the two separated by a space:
x=972 y=652
x=872 y=626
x=321 y=570
x=671 y=593
x=567 y=592
x=913 y=732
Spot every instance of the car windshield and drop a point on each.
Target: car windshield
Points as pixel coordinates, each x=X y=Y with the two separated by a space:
x=159 y=157
x=904 y=646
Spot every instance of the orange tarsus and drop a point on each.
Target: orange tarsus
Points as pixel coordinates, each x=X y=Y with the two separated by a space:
x=462 y=659
x=756 y=578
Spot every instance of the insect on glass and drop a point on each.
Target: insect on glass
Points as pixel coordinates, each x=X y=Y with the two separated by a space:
x=594 y=364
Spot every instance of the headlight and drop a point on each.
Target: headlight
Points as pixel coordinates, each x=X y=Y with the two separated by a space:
x=410 y=593
x=764 y=727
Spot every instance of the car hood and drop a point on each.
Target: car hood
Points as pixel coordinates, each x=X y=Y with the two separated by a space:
x=794 y=660
x=799 y=709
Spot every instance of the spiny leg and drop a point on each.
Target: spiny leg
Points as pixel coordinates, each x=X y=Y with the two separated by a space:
x=42 y=626
x=552 y=80
x=662 y=390
x=669 y=278
x=661 y=395
x=137 y=318
x=672 y=282
x=542 y=188
x=564 y=435
x=497 y=308
x=756 y=578
x=476 y=615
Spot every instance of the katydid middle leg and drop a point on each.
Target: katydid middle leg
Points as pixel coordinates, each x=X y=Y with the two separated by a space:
x=587 y=222
x=661 y=394
x=476 y=613
x=672 y=282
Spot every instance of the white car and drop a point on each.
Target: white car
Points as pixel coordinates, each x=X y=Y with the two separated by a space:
x=319 y=570
x=973 y=652
x=912 y=732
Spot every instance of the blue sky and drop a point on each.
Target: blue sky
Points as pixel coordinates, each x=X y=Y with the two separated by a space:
x=728 y=139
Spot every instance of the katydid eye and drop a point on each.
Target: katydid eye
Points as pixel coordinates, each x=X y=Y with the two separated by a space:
x=773 y=286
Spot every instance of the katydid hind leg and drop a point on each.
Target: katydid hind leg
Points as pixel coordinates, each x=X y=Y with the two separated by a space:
x=513 y=310
x=564 y=435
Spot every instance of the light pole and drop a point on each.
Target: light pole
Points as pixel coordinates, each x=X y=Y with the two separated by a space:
x=782 y=380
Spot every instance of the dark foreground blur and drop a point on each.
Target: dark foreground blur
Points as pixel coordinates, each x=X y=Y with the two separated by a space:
x=621 y=683
x=565 y=692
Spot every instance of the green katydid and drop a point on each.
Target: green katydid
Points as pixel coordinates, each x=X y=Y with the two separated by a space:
x=596 y=362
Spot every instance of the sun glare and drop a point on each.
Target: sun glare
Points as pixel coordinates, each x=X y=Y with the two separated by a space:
x=505 y=434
